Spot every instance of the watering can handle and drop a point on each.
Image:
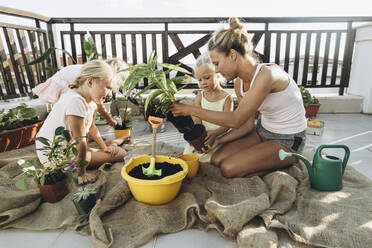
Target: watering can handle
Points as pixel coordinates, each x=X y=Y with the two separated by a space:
x=155 y=121
x=346 y=157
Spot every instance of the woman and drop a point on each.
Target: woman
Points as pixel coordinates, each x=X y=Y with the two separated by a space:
x=246 y=149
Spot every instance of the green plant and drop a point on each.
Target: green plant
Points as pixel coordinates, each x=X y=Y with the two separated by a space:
x=17 y=117
x=307 y=98
x=60 y=152
x=156 y=73
x=90 y=48
x=83 y=193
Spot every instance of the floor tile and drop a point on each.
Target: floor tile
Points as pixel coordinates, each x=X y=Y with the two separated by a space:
x=193 y=238
x=16 y=238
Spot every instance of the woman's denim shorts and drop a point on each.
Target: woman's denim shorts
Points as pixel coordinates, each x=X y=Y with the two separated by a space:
x=294 y=142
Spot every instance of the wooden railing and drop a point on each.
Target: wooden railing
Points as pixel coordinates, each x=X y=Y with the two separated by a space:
x=318 y=58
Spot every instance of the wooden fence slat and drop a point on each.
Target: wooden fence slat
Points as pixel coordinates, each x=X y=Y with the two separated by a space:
x=267 y=45
x=165 y=48
x=64 y=58
x=26 y=57
x=144 y=48
x=189 y=49
x=113 y=46
x=325 y=60
x=48 y=73
x=297 y=56
x=335 y=58
x=277 y=48
x=134 y=48
x=41 y=50
x=314 y=77
x=153 y=39
x=103 y=46
x=32 y=39
x=73 y=45
x=287 y=51
x=83 y=54
x=348 y=53
x=12 y=49
x=256 y=38
x=124 y=47
x=51 y=44
x=306 y=59
x=5 y=72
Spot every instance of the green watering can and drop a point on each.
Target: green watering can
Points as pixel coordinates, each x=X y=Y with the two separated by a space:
x=327 y=171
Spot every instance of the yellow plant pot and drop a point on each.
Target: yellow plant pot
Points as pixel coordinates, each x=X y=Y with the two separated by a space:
x=192 y=162
x=154 y=192
x=121 y=133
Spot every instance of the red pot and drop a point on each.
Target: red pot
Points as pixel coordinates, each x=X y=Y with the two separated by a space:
x=53 y=192
x=312 y=110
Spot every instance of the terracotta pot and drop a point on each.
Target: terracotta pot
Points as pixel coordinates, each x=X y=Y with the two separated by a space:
x=196 y=136
x=312 y=110
x=19 y=137
x=53 y=192
x=183 y=124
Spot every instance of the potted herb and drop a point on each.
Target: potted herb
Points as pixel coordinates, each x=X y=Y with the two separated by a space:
x=17 y=127
x=311 y=103
x=52 y=180
x=85 y=199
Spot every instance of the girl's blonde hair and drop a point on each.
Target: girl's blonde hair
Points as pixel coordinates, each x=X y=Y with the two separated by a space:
x=96 y=69
x=205 y=59
x=118 y=65
x=235 y=37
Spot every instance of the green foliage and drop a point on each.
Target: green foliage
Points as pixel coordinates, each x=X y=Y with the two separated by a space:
x=165 y=88
x=307 y=98
x=46 y=54
x=60 y=152
x=17 y=117
x=90 y=48
x=83 y=193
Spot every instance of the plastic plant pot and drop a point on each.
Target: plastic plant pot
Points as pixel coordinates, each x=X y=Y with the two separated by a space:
x=192 y=162
x=120 y=133
x=154 y=192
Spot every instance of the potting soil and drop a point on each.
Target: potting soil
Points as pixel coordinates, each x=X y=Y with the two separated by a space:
x=167 y=169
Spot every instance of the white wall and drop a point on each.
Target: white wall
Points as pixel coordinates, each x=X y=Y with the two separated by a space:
x=361 y=69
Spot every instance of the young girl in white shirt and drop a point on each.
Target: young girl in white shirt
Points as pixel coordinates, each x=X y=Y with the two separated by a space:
x=75 y=112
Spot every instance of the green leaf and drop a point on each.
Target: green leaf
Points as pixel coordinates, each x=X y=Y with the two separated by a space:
x=43 y=140
x=21 y=184
x=45 y=55
x=66 y=135
x=5 y=174
x=42 y=179
x=151 y=96
x=59 y=131
x=90 y=48
x=175 y=67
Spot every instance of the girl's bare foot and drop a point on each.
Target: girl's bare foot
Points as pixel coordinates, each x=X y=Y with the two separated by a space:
x=119 y=141
x=89 y=177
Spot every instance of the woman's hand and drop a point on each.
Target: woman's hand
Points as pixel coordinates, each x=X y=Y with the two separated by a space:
x=181 y=109
x=112 y=122
x=211 y=145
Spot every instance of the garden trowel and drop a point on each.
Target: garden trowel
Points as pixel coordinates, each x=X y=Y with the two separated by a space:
x=150 y=171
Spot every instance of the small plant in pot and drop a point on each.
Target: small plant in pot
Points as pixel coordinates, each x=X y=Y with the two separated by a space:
x=52 y=180
x=84 y=200
x=124 y=125
x=311 y=103
x=17 y=127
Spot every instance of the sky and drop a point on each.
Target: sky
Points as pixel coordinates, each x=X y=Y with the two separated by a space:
x=192 y=8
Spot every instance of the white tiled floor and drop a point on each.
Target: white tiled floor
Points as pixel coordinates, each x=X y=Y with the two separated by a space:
x=353 y=130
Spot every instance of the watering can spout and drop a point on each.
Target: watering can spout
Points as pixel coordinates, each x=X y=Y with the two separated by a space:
x=283 y=155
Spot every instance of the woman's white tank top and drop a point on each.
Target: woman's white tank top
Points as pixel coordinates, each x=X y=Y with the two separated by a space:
x=282 y=112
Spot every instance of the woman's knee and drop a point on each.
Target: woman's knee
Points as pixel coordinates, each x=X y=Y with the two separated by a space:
x=216 y=158
x=228 y=170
